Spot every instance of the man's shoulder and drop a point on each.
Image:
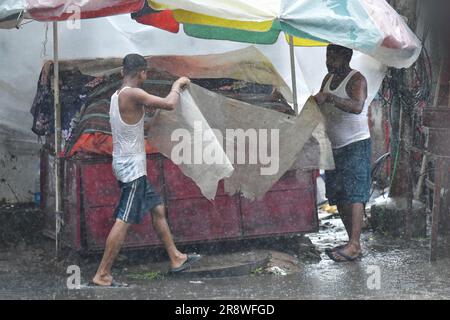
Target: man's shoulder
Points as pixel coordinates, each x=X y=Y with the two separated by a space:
x=132 y=96
x=327 y=76
x=131 y=91
x=357 y=80
x=358 y=76
x=325 y=80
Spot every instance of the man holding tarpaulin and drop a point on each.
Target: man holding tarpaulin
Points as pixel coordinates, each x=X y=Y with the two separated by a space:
x=127 y=113
x=342 y=100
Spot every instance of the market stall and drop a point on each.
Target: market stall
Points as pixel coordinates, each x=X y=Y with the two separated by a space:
x=361 y=26
x=203 y=201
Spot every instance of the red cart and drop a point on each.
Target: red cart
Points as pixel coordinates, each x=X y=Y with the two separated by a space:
x=90 y=194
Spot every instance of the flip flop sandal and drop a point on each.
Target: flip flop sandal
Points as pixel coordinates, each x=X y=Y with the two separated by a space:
x=191 y=259
x=114 y=284
x=335 y=248
x=340 y=254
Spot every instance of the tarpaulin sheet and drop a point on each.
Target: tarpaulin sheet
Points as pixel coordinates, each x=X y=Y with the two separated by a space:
x=201 y=110
x=50 y=10
x=247 y=64
x=206 y=176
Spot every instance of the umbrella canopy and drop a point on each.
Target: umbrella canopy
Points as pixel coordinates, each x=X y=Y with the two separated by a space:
x=10 y=7
x=11 y=13
x=369 y=26
x=57 y=10
x=54 y=10
x=209 y=27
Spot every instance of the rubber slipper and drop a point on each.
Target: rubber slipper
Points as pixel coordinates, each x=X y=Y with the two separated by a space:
x=191 y=259
x=114 y=284
x=342 y=246
x=340 y=254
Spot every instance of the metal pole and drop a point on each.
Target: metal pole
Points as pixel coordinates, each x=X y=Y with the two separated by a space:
x=57 y=134
x=293 y=74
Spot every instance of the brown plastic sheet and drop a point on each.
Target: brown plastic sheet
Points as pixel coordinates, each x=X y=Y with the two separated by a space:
x=213 y=111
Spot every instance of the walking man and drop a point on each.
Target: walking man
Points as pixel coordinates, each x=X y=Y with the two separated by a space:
x=127 y=111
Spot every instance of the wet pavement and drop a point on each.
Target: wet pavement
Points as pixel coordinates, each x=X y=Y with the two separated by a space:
x=390 y=269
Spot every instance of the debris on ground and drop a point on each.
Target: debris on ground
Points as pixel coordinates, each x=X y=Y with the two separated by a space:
x=153 y=275
x=277 y=271
x=326 y=212
x=287 y=263
x=329 y=209
x=258 y=270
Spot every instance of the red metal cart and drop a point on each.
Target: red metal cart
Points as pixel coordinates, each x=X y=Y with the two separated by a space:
x=90 y=194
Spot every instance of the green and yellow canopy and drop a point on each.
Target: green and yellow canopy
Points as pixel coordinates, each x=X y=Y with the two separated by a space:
x=369 y=26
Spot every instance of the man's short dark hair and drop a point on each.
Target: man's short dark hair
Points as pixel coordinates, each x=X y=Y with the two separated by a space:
x=133 y=64
x=344 y=52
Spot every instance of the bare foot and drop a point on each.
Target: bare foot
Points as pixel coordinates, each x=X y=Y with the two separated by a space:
x=105 y=280
x=178 y=260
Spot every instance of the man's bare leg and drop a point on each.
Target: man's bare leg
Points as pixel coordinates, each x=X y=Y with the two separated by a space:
x=345 y=212
x=353 y=248
x=114 y=243
x=354 y=245
x=163 y=231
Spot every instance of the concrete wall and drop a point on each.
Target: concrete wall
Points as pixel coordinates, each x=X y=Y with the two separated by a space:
x=19 y=162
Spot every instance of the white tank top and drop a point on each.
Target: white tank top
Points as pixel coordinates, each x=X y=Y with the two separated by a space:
x=129 y=158
x=344 y=128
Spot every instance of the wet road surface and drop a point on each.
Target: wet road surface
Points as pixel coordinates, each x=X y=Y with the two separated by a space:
x=390 y=269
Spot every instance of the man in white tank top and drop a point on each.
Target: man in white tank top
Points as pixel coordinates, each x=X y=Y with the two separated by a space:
x=138 y=197
x=342 y=100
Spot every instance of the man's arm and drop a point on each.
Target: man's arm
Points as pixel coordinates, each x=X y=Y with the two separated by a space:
x=357 y=91
x=324 y=82
x=321 y=97
x=168 y=103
